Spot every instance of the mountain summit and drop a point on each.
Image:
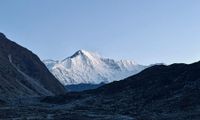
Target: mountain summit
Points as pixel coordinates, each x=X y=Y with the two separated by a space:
x=84 y=53
x=89 y=67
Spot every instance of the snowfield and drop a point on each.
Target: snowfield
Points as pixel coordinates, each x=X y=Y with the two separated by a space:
x=89 y=67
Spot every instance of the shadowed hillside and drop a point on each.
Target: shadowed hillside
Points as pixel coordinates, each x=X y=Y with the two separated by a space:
x=157 y=93
x=22 y=73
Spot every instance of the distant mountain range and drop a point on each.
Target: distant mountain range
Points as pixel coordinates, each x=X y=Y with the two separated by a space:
x=82 y=87
x=22 y=74
x=85 y=67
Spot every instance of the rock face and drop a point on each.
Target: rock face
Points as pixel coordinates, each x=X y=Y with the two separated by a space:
x=22 y=73
x=85 y=67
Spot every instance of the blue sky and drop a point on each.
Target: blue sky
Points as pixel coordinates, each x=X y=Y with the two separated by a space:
x=147 y=31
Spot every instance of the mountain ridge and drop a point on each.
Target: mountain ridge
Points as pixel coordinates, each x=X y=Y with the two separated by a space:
x=23 y=74
x=88 y=67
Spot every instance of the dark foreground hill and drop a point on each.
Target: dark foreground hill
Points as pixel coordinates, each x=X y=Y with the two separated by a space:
x=22 y=74
x=157 y=93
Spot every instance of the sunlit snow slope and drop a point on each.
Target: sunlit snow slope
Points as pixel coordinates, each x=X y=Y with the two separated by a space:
x=89 y=67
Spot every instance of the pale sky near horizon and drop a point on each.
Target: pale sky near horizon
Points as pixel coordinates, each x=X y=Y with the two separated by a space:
x=147 y=31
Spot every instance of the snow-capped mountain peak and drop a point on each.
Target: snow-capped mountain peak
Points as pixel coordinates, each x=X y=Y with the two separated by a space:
x=89 y=67
x=85 y=53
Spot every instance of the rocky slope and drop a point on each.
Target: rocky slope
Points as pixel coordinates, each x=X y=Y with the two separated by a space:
x=22 y=73
x=157 y=93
